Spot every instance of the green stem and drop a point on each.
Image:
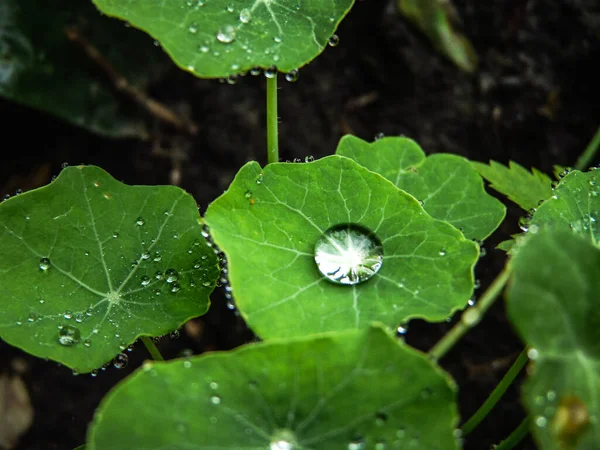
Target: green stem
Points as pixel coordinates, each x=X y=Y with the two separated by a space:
x=515 y=437
x=496 y=394
x=272 y=120
x=471 y=316
x=156 y=356
x=583 y=162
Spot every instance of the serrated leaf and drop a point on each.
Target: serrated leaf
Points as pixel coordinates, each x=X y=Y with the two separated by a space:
x=553 y=302
x=270 y=220
x=87 y=265
x=450 y=189
x=434 y=18
x=218 y=38
x=524 y=188
x=41 y=68
x=574 y=206
x=348 y=390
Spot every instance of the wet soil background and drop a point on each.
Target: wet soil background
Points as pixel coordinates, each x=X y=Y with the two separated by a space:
x=534 y=99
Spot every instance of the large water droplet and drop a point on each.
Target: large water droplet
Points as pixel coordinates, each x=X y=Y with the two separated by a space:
x=226 y=35
x=44 y=264
x=348 y=254
x=120 y=361
x=68 y=335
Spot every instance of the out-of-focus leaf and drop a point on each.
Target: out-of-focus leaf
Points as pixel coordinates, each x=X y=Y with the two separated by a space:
x=16 y=412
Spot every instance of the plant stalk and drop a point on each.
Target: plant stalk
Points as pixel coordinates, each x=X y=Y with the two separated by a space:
x=272 y=120
x=584 y=161
x=152 y=349
x=516 y=436
x=496 y=394
x=471 y=316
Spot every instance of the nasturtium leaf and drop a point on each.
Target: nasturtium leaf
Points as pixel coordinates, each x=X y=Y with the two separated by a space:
x=435 y=18
x=553 y=302
x=219 y=38
x=450 y=189
x=574 y=205
x=42 y=68
x=338 y=391
x=90 y=264
x=524 y=188
x=270 y=222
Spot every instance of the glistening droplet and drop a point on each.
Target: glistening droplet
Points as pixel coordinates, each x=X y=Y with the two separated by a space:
x=68 y=335
x=348 y=254
x=226 y=35
x=44 y=264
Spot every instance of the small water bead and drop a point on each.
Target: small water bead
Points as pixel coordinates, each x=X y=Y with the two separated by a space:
x=45 y=264
x=203 y=49
x=115 y=234
x=271 y=72
x=87 y=343
x=214 y=385
x=68 y=335
x=172 y=275
x=248 y=194
x=215 y=399
x=245 y=15
x=145 y=280
x=442 y=252
x=292 y=76
x=32 y=317
x=193 y=28
x=348 y=254
x=541 y=421
x=532 y=354
x=159 y=275
x=255 y=71
x=226 y=35
x=120 y=361
x=356 y=444
x=68 y=314
x=334 y=40
x=79 y=317
x=175 y=287
x=42 y=301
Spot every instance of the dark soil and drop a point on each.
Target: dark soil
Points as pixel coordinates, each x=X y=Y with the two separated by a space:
x=534 y=99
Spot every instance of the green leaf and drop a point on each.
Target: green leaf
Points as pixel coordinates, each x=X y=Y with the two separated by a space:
x=41 y=68
x=270 y=220
x=218 y=38
x=553 y=302
x=574 y=206
x=84 y=253
x=81 y=447
x=450 y=189
x=348 y=390
x=524 y=188
x=435 y=18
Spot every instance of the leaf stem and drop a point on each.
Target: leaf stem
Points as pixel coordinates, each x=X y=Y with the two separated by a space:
x=272 y=120
x=152 y=349
x=496 y=394
x=584 y=161
x=471 y=316
x=516 y=436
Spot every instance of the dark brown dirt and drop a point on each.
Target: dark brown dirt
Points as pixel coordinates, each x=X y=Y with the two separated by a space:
x=534 y=99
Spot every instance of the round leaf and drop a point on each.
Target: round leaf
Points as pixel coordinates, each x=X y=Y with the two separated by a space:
x=349 y=390
x=90 y=264
x=218 y=38
x=553 y=302
x=269 y=222
x=574 y=206
x=449 y=187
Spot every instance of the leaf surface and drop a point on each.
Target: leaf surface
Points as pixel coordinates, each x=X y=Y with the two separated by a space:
x=450 y=189
x=524 y=188
x=90 y=264
x=270 y=221
x=41 y=68
x=340 y=391
x=218 y=38
x=553 y=303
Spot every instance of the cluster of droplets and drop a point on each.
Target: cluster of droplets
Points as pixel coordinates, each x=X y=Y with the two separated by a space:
x=223 y=280
x=307 y=159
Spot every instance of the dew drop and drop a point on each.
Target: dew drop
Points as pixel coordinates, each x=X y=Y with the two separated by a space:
x=175 y=288
x=32 y=317
x=203 y=49
x=226 y=35
x=255 y=71
x=245 y=15
x=172 y=275
x=334 y=40
x=379 y=136
x=145 y=280
x=292 y=76
x=193 y=28
x=120 y=361
x=44 y=264
x=271 y=72
x=348 y=254
x=215 y=399
x=159 y=275
x=68 y=314
x=356 y=444
x=248 y=194
x=87 y=343
x=79 y=317
x=68 y=335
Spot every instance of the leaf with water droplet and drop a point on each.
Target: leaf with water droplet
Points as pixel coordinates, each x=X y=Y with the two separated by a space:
x=450 y=189
x=40 y=47
x=90 y=300
x=553 y=303
x=286 y=283
x=210 y=38
x=320 y=393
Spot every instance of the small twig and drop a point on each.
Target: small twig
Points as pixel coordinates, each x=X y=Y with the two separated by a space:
x=120 y=83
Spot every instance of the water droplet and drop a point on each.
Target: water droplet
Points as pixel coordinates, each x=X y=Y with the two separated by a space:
x=172 y=275
x=248 y=194
x=79 y=317
x=334 y=40
x=292 y=76
x=259 y=180
x=348 y=254
x=42 y=301
x=68 y=314
x=532 y=354
x=442 y=252
x=44 y=264
x=379 y=135
x=174 y=334
x=68 y=335
x=204 y=49
x=193 y=28
x=120 y=361
x=145 y=280
x=159 y=275
x=87 y=343
x=215 y=399
x=541 y=421
x=214 y=385
x=245 y=15
x=115 y=234
x=255 y=71
x=32 y=317
x=277 y=39
x=175 y=287
x=271 y=72
x=226 y=35
x=356 y=444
